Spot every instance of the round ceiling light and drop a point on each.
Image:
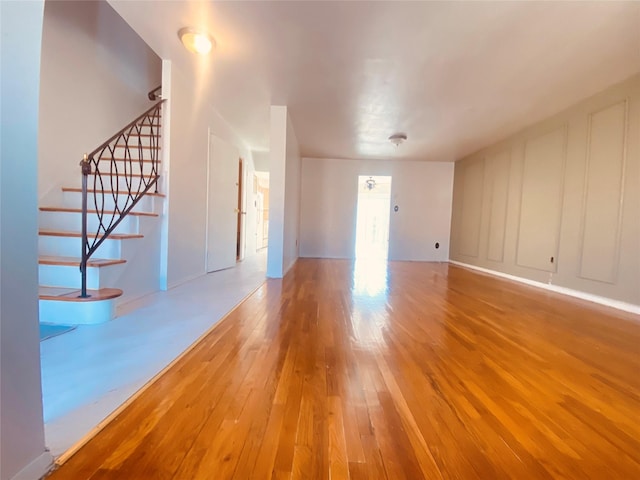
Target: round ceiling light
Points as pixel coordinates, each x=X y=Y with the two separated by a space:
x=397 y=138
x=196 y=41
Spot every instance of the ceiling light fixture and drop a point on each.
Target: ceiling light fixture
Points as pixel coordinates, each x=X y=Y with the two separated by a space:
x=370 y=184
x=397 y=138
x=196 y=41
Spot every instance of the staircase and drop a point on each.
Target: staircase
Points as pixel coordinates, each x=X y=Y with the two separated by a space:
x=83 y=241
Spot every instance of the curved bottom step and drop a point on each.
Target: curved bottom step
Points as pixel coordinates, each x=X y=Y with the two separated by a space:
x=63 y=306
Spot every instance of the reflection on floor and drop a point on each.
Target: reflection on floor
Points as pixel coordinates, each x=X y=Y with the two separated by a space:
x=89 y=372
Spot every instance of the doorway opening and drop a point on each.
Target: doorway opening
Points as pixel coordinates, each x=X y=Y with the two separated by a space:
x=240 y=213
x=372 y=220
x=262 y=207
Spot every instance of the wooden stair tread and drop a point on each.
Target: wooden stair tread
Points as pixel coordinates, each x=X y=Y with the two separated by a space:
x=73 y=294
x=108 y=212
x=64 y=233
x=109 y=192
x=75 y=261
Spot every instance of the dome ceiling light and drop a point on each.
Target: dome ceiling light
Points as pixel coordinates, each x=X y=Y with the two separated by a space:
x=196 y=41
x=397 y=138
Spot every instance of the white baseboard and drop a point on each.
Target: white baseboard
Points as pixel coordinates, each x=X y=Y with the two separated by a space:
x=38 y=468
x=617 y=304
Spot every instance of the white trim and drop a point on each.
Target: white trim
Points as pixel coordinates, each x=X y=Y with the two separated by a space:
x=207 y=206
x=617 y=304
x=38 y=468
x=166 y=173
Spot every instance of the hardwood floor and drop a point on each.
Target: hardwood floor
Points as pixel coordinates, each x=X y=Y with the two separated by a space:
x=432 y=372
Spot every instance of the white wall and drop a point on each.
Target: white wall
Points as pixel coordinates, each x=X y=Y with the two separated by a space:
x=22 y=449
x=566 y=188
x=284 y=194
x=421 y=190
x=192 y=120
x=95 y=76
x=261 y=160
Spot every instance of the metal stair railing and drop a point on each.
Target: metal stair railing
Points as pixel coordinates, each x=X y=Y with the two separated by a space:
x=108 y=169
x=155 y=94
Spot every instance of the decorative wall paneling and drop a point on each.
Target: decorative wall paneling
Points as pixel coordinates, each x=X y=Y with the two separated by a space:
x=567 y=187
x=603 y=193
x=498 y=173
x=473 y=185
x=541 y=200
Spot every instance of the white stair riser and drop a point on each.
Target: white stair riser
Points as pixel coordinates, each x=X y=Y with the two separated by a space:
x=76 y=313
x=134 y=144
x=120 y=166
x=71 y=247
x=122 y=183
x=135 y=141
x=69 y=276
x=72 y=222
x=74 y=200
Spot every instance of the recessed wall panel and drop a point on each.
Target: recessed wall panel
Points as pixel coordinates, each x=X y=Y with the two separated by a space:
x=603 y=193
x=469 y=235
x=541 y=203
x=498 y=168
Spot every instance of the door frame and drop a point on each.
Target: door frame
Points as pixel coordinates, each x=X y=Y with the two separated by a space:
x=242 y=212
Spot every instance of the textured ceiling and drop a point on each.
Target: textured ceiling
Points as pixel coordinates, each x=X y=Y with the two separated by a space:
x=453 y=76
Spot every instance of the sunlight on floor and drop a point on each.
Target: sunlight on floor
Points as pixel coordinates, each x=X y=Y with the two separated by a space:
x=370 y=277
x=370 y=287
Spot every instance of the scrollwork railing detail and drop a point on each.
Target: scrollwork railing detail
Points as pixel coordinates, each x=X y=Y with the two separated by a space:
x=118 y=173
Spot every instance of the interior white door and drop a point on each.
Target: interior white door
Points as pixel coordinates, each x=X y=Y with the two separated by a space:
x=222 y=218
